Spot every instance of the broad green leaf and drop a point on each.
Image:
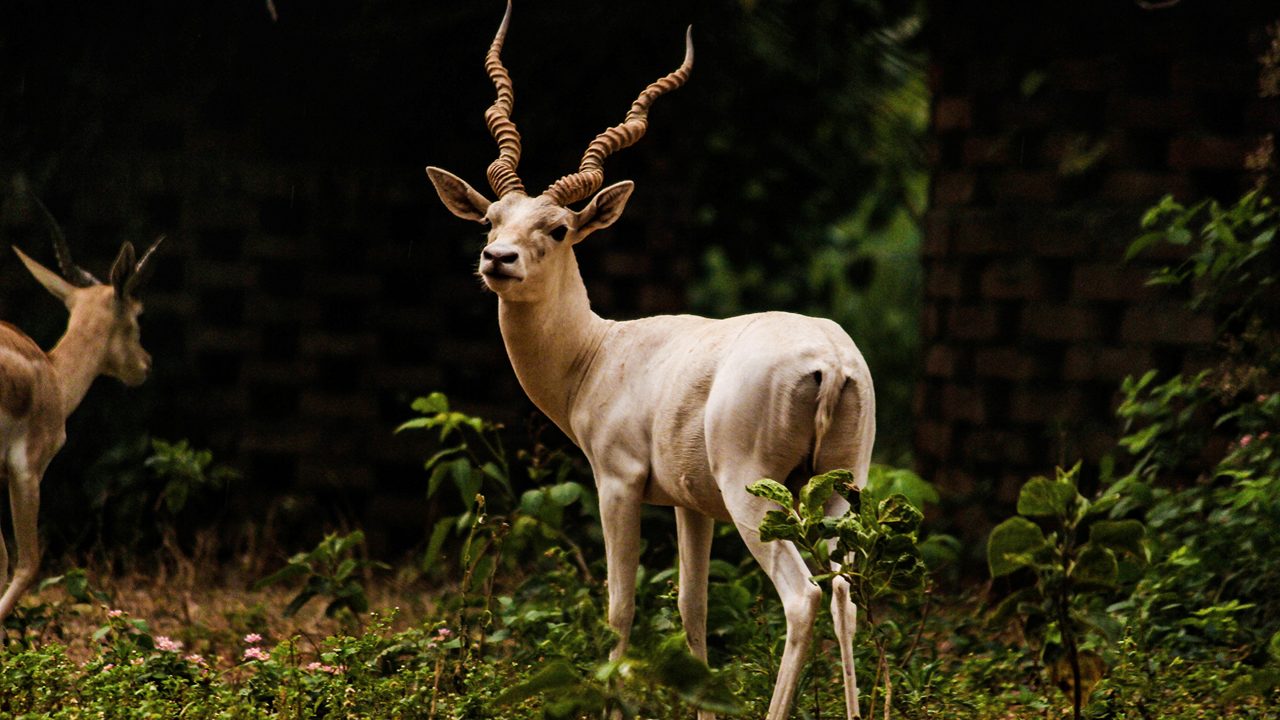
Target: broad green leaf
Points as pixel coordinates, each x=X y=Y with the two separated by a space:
x=434 y=403
x=1042 y=497
x=1095 y=565
x=288 y=572
x=899 y=514
x=1010 y=541
x=779 y=525
x=1119 y=536
x=815 y=494
x=772 y=490
x=884 y=481
x=566 y=493
x=531 y=501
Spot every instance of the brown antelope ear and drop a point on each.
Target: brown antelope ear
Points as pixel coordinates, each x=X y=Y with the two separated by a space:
x=122 y=269
x=603 y=210
x=458 y=196
x=51 y=281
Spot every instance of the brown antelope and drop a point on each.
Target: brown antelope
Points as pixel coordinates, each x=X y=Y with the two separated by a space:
x=38 y=390
x=670 y=410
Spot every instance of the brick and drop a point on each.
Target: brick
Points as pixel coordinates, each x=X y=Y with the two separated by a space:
x=933 y=438
x=940 y=361
x=937 y=234
x=952 y=113
x=1043 y=406
x=964 y=403
x=1082 y=363
x=1026 y=186
x=931 y=322
x=953 y=188
x=1055 y=242
x=1008 y=363
x=1207 y=152
x=944 y=281
x=1167 y=323
x=973 y=322
x=1140 y=186
x=983 y=233
x=1090 y=74
x=998 y=446
x=1110 y=282
x=1150 y=112
x=1063 y=323
x=1015 y=280
x=987 y=151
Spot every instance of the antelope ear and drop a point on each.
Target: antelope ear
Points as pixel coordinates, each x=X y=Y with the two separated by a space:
x=457 y=195
x=603 y=210
x=51 y=281
x=122 y=269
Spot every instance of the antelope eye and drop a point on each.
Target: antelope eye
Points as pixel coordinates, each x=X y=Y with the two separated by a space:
x=558 y=233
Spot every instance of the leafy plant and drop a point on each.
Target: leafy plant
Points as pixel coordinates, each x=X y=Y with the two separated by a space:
x=1076 y=557
x=873 y=546
x=331 y=571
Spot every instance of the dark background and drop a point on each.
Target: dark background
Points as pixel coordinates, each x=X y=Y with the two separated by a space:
x=312 y=285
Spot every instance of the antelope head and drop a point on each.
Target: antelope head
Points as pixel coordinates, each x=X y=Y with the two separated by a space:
x=108 y=310
x=529 y=238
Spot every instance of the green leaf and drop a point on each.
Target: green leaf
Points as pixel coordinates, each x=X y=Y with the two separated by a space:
x=432 y=404
x=291 y=571
x=898 y=514
x=565 y=494
x=1119 y=536
x=815 y=494
x=1095 y=565
x=772 y=490
x=779 y=525
x=1010 y=543
x=438 y=534
x=1273 y=647
x=1042 y=497
x=554 y=675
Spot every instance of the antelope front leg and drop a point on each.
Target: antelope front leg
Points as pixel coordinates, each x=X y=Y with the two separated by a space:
x=620 y=518
x=24 y=497
x=693 y=535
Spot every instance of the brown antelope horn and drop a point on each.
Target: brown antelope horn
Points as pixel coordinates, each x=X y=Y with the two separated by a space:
x=590 y=176
x=73 y=273
x=502 y=172
x=141 y=271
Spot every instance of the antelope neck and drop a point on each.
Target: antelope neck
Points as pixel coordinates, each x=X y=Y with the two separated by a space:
x=78 y=356
x=552 y=344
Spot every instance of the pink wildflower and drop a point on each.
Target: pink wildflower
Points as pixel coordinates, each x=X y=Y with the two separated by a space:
x=1244 y=441
x=115 y=613
x=256 y=653
x=312 y=666
x=108 y=666
x=253 y=638
x=136 y=661
x=444 y=633
x=197 y=659
x=168 y=644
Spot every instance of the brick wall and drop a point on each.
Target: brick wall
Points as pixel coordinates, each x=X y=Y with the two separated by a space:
x=1053 y=128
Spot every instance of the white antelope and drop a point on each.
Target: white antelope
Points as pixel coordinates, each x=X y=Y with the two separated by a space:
x=38 y=390
x=669 y=410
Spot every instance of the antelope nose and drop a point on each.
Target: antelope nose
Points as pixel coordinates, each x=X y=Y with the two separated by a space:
x=500 y=255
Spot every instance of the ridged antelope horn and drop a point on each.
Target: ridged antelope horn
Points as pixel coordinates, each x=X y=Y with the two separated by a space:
x=73 y=273
x=502 y=172
x=590 y=176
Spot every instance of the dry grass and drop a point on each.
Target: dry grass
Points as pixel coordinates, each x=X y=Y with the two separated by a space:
x=211 y=609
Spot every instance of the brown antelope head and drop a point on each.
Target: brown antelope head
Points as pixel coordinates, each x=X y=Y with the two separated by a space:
x=529 y=236
x=108 y=311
